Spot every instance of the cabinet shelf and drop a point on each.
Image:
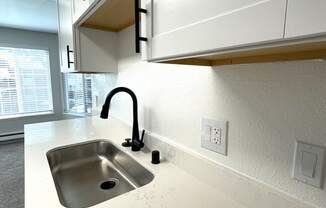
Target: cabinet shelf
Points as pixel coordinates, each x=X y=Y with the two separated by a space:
x=111 y=15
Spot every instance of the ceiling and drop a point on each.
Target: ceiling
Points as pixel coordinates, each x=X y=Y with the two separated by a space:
x=37 y=15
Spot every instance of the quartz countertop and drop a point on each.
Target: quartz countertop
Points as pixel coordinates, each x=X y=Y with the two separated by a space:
x=172 y=186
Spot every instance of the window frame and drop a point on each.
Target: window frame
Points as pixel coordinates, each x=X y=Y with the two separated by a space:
x=32 y=114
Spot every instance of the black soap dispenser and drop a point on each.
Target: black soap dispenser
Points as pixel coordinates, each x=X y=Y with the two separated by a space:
x=155 y=157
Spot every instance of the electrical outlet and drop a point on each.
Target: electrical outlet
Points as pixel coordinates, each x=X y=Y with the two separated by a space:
x=214 y=135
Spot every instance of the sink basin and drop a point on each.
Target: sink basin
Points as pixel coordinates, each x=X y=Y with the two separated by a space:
x=89 y=173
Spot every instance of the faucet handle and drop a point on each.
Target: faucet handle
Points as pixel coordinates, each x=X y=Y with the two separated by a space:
x=142 y=136
x=127 y=143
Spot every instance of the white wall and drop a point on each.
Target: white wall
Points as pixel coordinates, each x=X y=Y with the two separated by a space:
x=35 y=39
x=269 y=106
x=36 y=15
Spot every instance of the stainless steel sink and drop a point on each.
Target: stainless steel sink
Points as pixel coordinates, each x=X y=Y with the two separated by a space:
x=89 y=173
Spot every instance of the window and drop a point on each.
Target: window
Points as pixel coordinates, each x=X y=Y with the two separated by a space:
x=85 y=93
x=25 y=82
x=78 y=93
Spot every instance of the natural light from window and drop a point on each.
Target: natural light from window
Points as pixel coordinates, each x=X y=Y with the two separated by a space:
x=25 y=82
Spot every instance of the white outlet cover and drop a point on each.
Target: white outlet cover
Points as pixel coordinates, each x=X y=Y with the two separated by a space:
x=207 y=137
x=308 y=163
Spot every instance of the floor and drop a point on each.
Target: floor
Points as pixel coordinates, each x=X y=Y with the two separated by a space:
x=12 y=175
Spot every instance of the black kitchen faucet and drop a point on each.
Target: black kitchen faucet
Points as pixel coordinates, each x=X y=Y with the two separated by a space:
x=136 y=142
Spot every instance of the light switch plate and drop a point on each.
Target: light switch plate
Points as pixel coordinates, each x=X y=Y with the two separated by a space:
x=214 y=135
x=308 y=163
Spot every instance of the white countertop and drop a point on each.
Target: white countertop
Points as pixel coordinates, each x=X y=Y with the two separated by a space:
x=172 y=187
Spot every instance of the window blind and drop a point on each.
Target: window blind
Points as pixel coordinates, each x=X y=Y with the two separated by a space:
x=25 y=81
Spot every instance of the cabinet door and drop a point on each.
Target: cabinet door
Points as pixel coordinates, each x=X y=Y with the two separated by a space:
x=190 y=27
x=79 y=7
x=305 y=17
x=65 y=34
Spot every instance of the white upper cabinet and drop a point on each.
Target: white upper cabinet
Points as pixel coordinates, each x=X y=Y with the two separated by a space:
x=196 y=32
x=84 y=49
x=79 y=7
x=65 y=35
x=305 y=17
x=187 y=27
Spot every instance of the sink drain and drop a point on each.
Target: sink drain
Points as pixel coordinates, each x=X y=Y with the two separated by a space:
x=109 y=184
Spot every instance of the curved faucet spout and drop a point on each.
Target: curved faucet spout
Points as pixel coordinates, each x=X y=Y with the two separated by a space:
x=136 y=143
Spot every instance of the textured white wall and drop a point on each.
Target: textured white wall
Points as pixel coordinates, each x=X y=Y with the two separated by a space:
x=269 y=106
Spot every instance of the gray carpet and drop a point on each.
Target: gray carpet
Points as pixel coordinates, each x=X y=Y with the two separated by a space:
x=12 y=175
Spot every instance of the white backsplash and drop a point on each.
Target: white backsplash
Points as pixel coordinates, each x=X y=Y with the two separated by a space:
x=243 y=189
x=103 y=84
x=269 y=106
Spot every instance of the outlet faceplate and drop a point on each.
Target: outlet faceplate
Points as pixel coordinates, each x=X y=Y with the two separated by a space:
x=308 y=163
x=214 y=135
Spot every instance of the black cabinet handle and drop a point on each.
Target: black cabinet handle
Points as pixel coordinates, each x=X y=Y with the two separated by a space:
x=137 y=32
x=68 y=56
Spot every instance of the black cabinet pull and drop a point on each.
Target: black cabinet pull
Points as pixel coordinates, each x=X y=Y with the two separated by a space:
x=68 y=56
x=137 y=32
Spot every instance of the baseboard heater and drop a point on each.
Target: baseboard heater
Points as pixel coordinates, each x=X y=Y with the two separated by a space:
x=12 y=136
